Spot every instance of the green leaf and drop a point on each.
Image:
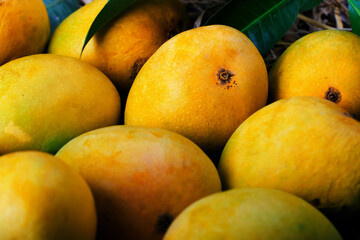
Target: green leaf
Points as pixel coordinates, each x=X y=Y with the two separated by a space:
x=264 y=21
x=112 y=9
x=309 y=4
x=354 y=13
x=58 y=10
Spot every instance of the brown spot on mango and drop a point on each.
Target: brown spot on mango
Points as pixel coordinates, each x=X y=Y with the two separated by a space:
x=333 y=95
x=224 y=78
x=136 y=67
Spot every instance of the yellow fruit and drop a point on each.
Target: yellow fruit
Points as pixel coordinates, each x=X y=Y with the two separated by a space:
x=323 y=64
x=252 y=213
x=141 y=178
x=25 y=28
x=46 y=100
x=42 y=198
x=202 y=84
x=304 y=145
x=122 y=47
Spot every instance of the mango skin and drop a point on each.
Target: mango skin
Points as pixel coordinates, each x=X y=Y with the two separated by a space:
x=323 y=64
x=251 y=213
x=304 y=145
x=141 y=178
x=24 y=29
x=202 y=84
x=122 y=47
x=42 y=198
x=47 y=99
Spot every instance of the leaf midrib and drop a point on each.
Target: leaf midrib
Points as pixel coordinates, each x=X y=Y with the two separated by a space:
x=357 y=10
x=258 y=19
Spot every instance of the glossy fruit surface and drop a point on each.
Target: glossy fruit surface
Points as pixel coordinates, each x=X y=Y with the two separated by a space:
x=304 y=145
x=202 y=84
x=25 y=28
x=42 y=198
x=123 y=46
x=142 y=178
x=251 y=213
x=323 y=64
x=47 y=99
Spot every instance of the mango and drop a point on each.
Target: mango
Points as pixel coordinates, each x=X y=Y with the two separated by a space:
x=203 y=83
x=141 y=178
x=323 y=64
x=122 y=46
x=25 y=28
x=251 y=213
x=42 y=198
x=304 y=145
x=48 y=99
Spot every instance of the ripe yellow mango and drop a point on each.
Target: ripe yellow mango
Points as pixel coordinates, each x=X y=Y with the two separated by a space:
x=141 y=178
x=323 y=64
x=42 y=198
x=24 y=30
x=47 y=99
x=252 y=214
x=304 y=145
x=123 y=46
x=202 y=83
